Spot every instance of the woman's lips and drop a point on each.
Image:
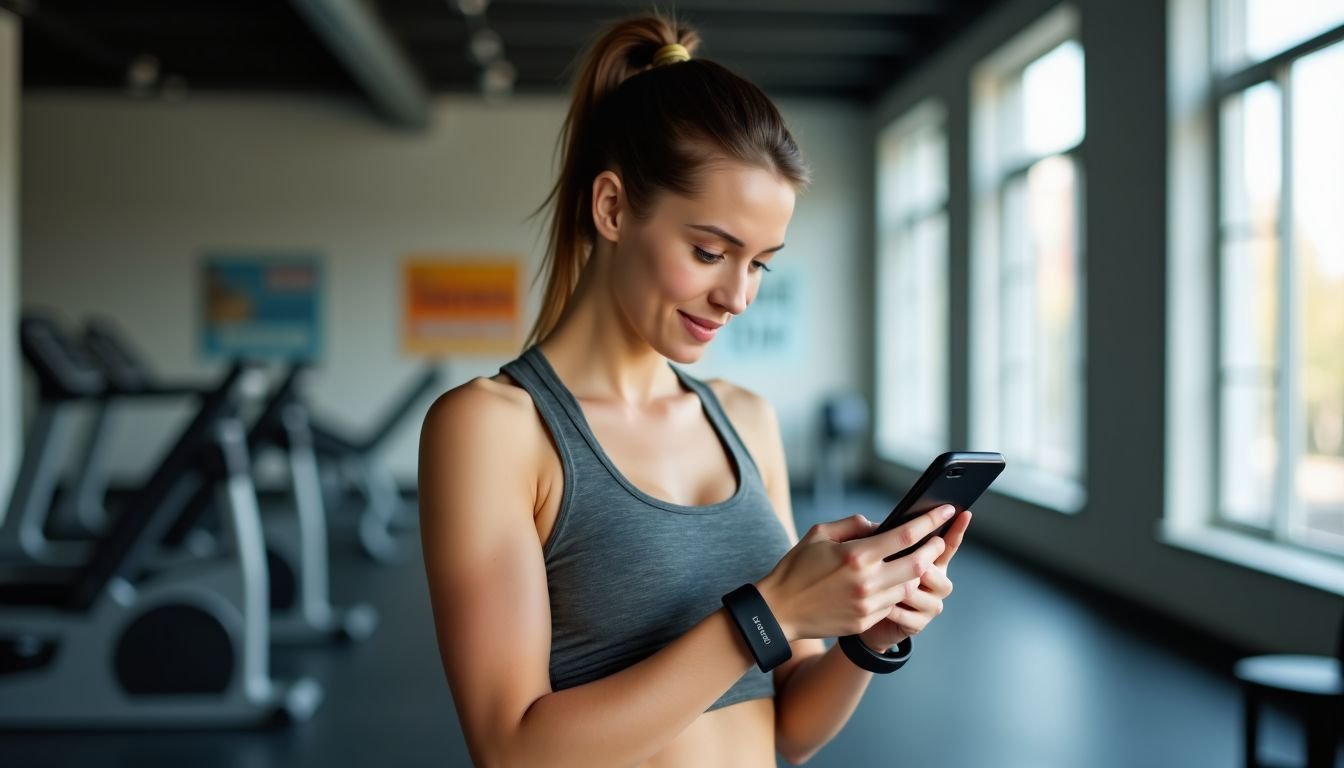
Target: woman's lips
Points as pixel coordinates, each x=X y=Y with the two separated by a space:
x=699 y=332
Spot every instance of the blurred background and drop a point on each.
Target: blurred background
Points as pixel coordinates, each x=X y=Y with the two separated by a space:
x=243 y=245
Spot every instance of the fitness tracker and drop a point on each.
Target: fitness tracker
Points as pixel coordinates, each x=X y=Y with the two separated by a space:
x=866 y=658
x=757 y=624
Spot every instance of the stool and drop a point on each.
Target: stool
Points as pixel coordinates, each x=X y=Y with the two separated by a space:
x=1311 y=686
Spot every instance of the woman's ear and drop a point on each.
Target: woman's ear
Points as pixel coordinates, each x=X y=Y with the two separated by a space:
x=608 y=205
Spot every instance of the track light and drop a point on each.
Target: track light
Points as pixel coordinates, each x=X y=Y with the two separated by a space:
x=485 y=46
x=472 y=7
x=497 y=79
x=142 y=74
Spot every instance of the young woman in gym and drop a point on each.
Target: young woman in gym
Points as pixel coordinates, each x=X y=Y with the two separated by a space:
x=612 y=560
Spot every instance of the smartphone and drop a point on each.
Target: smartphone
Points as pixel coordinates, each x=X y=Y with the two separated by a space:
x=956 y=478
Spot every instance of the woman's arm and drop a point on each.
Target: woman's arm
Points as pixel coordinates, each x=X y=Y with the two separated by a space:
x=822 y=694
x=478 y=489
x=819 y=689
x=816 y=690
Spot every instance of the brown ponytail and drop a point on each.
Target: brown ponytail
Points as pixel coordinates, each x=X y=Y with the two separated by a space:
x=655 y=126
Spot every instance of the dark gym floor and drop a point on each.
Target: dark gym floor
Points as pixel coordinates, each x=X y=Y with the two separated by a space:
x=1019 y=672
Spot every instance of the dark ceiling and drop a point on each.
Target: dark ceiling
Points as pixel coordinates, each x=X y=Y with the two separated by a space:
x=837 y=48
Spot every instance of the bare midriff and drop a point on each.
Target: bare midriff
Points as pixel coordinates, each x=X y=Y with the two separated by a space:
x=741 y=735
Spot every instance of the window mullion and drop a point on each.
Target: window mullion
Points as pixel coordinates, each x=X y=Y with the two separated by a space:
x=1218 y=267
x=1289 y=354
x=1003 y=303
x=1269 y=68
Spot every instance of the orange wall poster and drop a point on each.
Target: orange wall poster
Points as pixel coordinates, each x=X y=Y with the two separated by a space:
x=461 y=305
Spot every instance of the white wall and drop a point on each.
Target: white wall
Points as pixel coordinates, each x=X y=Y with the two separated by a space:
x=121 y=196
x=10 y=423
x=1113 y=542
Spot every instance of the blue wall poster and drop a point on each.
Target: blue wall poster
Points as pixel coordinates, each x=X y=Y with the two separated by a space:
x=261 y=305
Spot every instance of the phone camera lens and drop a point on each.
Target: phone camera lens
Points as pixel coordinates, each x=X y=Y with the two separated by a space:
x=956 y=472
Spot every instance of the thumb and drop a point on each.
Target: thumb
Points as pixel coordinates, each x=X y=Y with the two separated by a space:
x=852 y=527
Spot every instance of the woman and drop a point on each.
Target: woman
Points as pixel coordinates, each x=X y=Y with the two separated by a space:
x=609 y=541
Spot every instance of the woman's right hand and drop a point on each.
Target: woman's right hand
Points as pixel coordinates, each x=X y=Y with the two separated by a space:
x=834 y=581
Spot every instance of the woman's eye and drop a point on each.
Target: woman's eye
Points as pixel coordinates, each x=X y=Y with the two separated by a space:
x=713 y=258
x=706 y=256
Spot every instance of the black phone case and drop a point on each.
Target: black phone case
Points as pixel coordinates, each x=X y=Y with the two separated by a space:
x=956 y=478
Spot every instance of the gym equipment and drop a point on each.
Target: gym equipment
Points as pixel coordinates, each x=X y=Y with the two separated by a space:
x=296 y=545
x=121 y=641
x=356 y=461
x=81 y=512
x=359 y=465
x=64 y=377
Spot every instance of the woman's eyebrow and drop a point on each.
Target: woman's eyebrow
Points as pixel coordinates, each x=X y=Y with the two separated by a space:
x=713 y=230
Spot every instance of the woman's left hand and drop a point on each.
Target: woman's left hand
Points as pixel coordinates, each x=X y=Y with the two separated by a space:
x=909 y=617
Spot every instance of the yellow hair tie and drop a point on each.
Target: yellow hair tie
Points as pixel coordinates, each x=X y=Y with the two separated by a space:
x=671 y=54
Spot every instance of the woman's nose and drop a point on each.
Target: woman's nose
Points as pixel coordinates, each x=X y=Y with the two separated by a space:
x=732 y=294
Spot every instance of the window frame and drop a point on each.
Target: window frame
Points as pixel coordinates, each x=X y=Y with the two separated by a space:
x=1192 y=355
x=927 y=115
x=993 y=172
x=1227 y=84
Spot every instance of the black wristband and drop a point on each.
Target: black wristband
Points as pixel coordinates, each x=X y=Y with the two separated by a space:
x=866 y=658
x=753 y=618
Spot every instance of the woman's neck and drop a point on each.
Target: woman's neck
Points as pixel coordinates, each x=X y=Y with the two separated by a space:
x=597 y=353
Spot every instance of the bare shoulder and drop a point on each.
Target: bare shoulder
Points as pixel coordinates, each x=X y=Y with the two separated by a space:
x=490 y=420
x=498 y=395
x=754 y=419
x=745 y=408
x=490 y=409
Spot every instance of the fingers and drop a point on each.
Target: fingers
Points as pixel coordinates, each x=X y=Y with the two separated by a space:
x=955 y=533
x=915 y=564
x=935 y=580
x=909 y=620
x=917 y=611
x=852 y=527
x=880 y=603
x=908 y=534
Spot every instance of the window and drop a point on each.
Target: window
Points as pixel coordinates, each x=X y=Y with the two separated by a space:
x=1280 y=246
x=1252 y=31
x=1027 y=363
x=1255 y=301
x=912 y=287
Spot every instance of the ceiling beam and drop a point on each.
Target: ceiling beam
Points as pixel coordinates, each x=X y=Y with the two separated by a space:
x=555 y=67
x=720 y=38
x=845 y=7
x=358 y=38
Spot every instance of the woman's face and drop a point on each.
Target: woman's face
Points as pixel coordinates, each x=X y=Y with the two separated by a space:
x=700 y=259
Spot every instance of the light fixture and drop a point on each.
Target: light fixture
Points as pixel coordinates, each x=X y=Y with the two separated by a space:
x=485 y=49
x=485 y=46
x=472 y=7
x=142 y=74
x=497 y=80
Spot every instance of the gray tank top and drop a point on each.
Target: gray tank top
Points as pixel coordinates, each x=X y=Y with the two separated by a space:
x=629 y=573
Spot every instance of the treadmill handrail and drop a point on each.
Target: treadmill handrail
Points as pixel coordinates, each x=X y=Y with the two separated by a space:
x=126 y=371
x=266 y=429
x=136 y=531
x=62 y=369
